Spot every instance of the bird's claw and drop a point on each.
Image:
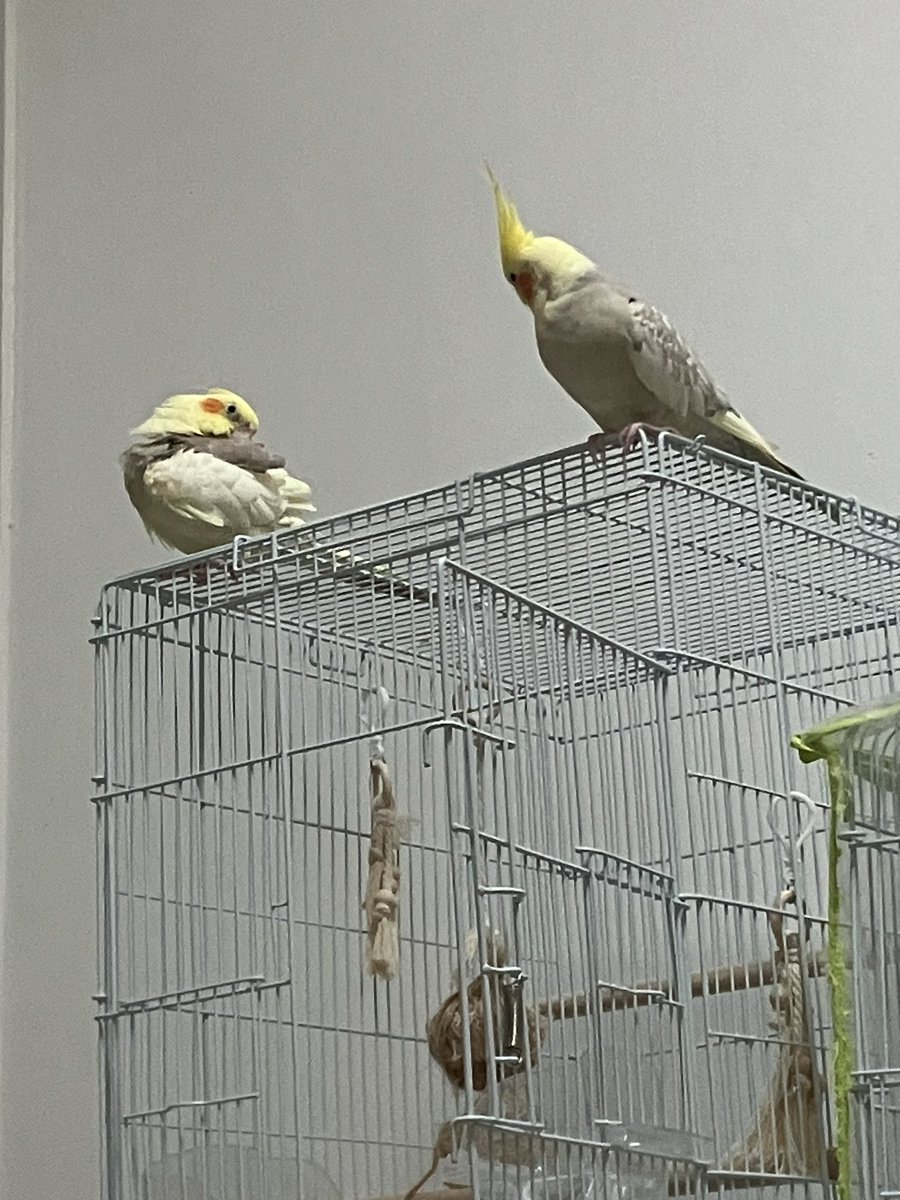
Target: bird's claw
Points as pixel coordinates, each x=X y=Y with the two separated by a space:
x=197 y=576
x=631 y=434
x=626 y=439
x=598 y=443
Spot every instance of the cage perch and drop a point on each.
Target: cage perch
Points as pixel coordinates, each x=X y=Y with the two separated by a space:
x=446 y=1032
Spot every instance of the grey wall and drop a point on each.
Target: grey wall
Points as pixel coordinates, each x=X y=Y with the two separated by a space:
x=286 y=198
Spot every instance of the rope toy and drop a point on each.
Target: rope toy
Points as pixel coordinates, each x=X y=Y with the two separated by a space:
x=785 y=1138
x=786 y=1135
x=383 y=886
x=446 y=1032
x=445 y=1042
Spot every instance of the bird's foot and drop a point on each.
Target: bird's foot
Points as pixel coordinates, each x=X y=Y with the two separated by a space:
x=196 y=577
x=631 y=434
x=598 y=444
x=626 y=439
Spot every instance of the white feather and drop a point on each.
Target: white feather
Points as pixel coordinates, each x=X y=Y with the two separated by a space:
x=194 y=501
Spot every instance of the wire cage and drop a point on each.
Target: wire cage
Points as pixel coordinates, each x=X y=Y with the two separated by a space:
x=461 y=836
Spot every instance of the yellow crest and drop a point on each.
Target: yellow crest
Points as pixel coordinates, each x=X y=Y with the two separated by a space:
x=515 y=239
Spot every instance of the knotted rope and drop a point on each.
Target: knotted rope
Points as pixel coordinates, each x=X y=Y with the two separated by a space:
x=785 y=1138
x=447 y=1033
x=383 y=886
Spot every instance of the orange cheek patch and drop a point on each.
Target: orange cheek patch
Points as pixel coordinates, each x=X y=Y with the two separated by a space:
x=525 y=287
x=212 y=405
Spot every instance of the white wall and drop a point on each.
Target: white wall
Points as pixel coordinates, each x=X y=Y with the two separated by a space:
x=287 y=198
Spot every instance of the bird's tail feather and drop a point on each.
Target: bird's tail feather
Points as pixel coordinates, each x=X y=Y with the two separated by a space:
x=390 y=580
x=753 y=446
x=297 y=496
x=821 y=504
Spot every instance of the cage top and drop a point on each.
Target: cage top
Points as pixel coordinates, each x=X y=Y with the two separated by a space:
x=674 y=545
x=561 y=479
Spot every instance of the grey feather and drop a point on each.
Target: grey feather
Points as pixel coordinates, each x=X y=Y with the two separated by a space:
x=655 y=338
x=240 y=450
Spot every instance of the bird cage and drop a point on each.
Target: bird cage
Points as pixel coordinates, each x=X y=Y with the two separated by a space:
x=457 y=845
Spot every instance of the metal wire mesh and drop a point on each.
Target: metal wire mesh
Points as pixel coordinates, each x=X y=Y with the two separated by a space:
x=593 y=676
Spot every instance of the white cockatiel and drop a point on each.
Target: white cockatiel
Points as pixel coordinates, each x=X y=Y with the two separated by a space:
x=618 y=356
x=198 y=477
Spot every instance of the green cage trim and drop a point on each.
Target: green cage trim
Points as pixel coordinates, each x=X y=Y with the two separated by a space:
x=828 y=742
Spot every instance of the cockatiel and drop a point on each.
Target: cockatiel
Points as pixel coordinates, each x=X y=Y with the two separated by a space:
x=618 y=356
x=198 y=478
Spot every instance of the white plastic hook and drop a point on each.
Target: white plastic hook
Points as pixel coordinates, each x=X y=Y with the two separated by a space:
x=787 y=856
x=373 y=717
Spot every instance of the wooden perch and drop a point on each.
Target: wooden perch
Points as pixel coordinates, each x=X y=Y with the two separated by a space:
x=446 y=1034
x=718 y=981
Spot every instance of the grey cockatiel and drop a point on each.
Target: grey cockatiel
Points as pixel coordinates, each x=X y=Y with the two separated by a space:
x=618 y=356
x=198 y=478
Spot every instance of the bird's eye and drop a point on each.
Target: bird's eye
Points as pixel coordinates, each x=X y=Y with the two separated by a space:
x=231 y=410
x=512 y=277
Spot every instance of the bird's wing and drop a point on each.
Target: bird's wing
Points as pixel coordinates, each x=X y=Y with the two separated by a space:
x=240 y=449
x=210 y=489
x=666 y=366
